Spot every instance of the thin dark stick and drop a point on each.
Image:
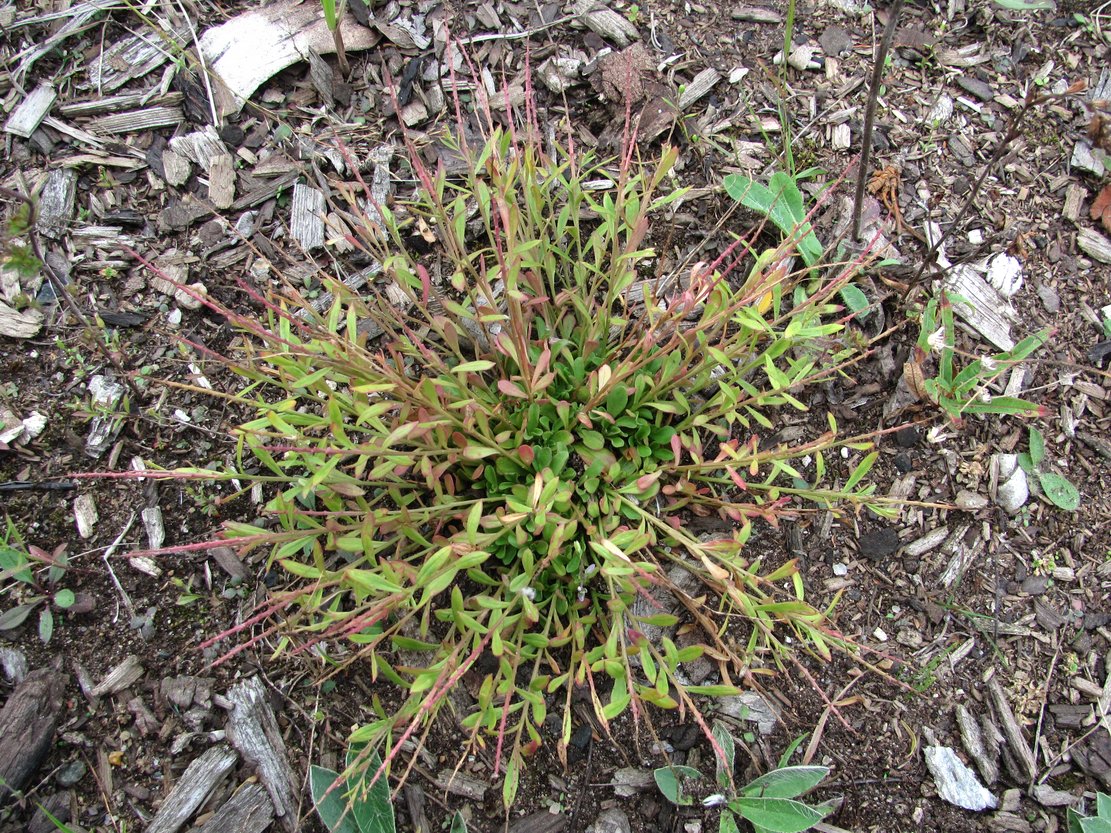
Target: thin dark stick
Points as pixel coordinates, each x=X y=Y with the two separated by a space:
x=61 y=291
x=870 y=112
x=32 y=486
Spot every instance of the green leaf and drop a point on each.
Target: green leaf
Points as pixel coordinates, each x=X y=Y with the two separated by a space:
x=15 y=562
x=331 y=806
x=1037 y=446
x=782 y=204
x=786 y=782
x=724 y=768
x=1103 y=805
x=1027 y=5
x=46 y=625
x=1059 y=491
x=667 y=779
x=616 y=401
x=372 y=808
x=727 y=823
x=458 y=823
x=592 y=440
x=16 y=616
x=1095 y=825
x=1074 y=820
x=855 y=300
x=64 y=599
x=779 y=815
x=473 y=367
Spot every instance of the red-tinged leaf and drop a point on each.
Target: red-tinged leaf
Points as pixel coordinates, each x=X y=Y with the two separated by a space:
x=526 y=454
x=1105 y=218
x=737 y=479
x=425 y=284
x=511 y=389
x=644 y=481
x=674 y=521
x=676 y=448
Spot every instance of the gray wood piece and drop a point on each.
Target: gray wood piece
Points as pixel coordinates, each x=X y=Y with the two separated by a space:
x=56 y=201
x=133 y=57
x=248 y=811
x=191 y=790
x=605 y=22
x=200 y=147
x=1011 y=730
x=460 y=783
x=986 y=311
x=28 y=722
x=306 y=222
x=26 y=118
x=117 y=103
x=176 y=166
x=120 y=677
x=254 y=46
x=1094 y=244
x=698 y=87
x=221 y=181
x=78 y=17
x=253 y=730
x=973 y=741
x=260 y=194
x=133 y=121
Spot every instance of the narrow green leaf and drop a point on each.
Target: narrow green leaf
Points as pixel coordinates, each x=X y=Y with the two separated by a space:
x=1027 y=5
x=46 y=625
x=473 y=367
x=855 y=300
x=16 y=616
x=458 y=823
x=1037 y=446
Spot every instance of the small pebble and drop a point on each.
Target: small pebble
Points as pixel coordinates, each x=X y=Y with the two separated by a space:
x=71 y=773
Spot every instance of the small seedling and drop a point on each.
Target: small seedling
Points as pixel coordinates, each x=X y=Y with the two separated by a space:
x=1099 y=823
x=960 y=391
x=769 y=803
x=19 y=563
x=782 y=203
x=1060 y=491
x=333 y=14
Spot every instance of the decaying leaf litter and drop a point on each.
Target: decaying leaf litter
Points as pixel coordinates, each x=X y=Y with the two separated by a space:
x=997 y=604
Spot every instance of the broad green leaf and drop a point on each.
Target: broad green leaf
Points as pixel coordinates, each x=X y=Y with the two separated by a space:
x=331 y=806
x=372 y=808
x=1095 y=825
x=779 y=205
x=855 y=300
x=667 y=779
x=779 y=815
x=1103 y=805
x=727 y=823
x=64 y=599
x=15 y=564
x=1027 y=5
x=592 y=440
x=16 y=616
x=1073 y=819
x=473 y=367
x=616 y=401
x=786 y=782
x=458 y=823
x=1059 y=491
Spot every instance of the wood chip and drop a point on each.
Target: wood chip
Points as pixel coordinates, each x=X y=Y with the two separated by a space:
x=28 y=722
x=120 y=677
x=253 y=730
x=56 y=201
x=27 y=117
x=460 y=783
x=191 y=790
x=248 y=811
x=983 y=308
x=1094 y=244
x=1011 y=730
x=699 y=87
x=1074 y=196
x=176 y=166
x=117 y=103
x=229 y=562
x=306 y=222
x=754 y=14
x=256 y=45
x=973 y=742
x=931 y=540
x=134 y=121
x=221 y=181
x=132 y=57
x=605 y=22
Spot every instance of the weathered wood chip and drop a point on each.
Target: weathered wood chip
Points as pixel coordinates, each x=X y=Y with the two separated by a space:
x=754 y=14
x=120 y=677
x=248 y=811
x=253 y=730
x=176 y=166
x=191 y=790
x=16 y=324
x=1011 y=730
x=148 y=118
x=252 y=47
x=460 y=783
x=1094 y=244
x=229 y=562
x=973 y=741
x=27 y=117
x=221 y=181
x=56 y=201
x=698 y=87
x=983 y=309
x=133 y=57
x=27 y=725
x=605 y=22
x=306 y=222
x=116 y=103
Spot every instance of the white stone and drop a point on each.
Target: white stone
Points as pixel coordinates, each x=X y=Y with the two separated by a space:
x=956 y=783
x=1010 y=485
x=1005 y=274
x=84 y=513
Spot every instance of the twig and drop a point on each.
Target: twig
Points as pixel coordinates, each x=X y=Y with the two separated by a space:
x=108 y=552
x=61 y=291
x=1041 y=712
x=870 y=112
x=37 y=486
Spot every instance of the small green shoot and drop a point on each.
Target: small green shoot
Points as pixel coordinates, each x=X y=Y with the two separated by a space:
x=781 y=202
